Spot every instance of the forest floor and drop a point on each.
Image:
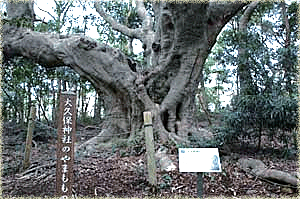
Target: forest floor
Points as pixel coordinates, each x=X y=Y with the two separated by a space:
x=110 y=173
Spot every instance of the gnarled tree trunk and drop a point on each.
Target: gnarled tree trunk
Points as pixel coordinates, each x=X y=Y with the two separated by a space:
x=175 y=49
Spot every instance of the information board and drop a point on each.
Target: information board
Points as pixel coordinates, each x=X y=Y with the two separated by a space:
x=199 y=160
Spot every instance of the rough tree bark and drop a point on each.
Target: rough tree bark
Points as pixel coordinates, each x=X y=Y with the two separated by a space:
x=175 y=49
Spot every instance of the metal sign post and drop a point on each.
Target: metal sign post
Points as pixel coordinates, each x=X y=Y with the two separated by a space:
x=200 y=184
x=199 y=160
x=65 y=144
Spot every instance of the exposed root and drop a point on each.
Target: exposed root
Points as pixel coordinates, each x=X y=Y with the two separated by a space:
x=259 y=169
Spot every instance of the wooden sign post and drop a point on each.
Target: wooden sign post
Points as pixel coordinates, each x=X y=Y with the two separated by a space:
x=150 y=149
x=30 y=130
x=65 y=144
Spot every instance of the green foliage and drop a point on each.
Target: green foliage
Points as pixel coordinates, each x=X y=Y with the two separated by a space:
x=181 y=145
x=136 y=144
x=214 y=72
x=133 y=146
x=59 y=19
x=86 y=119
x=22 y=81
x=196 y=141
x=258 y=112
x=45 y=27
x=287 y=62
x=19 y=22
x=113 y=148
x=124 y=13
x=167 y=180
x=268 y=100
x=258 y=57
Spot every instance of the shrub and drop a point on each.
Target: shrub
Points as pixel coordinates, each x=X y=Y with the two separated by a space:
x=250 y=115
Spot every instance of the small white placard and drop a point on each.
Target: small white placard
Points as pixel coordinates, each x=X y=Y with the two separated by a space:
x=199 y=160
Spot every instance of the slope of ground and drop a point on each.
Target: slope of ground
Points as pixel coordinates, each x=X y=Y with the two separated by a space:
x=106 y=174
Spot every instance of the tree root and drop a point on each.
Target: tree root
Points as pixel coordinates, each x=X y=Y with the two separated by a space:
x=39 y=175
x=259 y=169
x=35 y=169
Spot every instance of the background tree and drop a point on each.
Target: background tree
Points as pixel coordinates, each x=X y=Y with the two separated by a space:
x=269 y=95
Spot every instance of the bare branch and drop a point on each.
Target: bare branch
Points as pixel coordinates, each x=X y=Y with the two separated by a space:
x=46 y=12
x=40 y=20
x=134 y=33
x=68 y=3
x=147 y=20
x=65 y=13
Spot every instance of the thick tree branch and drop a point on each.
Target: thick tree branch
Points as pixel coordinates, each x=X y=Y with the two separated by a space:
x=145 y=34
x=101 y=64
x=147 y=21
x=141 y=10
x=219 y=14
x=134 y=33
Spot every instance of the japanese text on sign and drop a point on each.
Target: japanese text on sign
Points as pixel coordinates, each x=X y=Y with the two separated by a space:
x=65 y=148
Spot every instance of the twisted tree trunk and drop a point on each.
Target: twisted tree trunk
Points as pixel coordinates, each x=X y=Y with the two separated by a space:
x=176 y=49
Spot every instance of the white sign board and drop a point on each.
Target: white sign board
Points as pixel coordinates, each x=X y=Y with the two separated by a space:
x=199 y=160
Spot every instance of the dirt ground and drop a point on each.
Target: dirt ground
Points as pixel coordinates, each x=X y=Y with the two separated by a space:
x=110 y=173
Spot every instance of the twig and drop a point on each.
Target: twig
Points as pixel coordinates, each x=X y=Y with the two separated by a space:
x=91 y=127
x=173 y=188
x=46 y=12
x=36 y=168
x=35 y=144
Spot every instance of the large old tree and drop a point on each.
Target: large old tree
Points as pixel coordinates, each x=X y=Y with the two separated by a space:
x=176 y=45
